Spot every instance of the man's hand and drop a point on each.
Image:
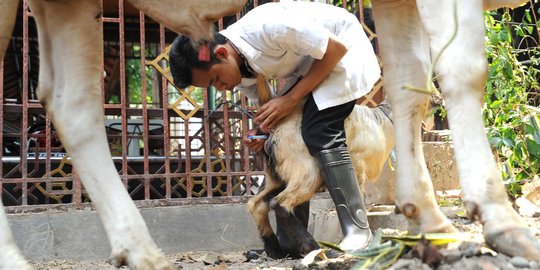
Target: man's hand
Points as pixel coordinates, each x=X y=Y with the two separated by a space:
x=257 y=144
x=273 y=111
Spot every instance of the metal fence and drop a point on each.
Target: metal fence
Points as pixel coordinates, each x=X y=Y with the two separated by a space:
x=171 y=146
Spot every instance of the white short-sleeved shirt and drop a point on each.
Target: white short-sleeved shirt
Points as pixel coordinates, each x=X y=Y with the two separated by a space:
x=281 y=41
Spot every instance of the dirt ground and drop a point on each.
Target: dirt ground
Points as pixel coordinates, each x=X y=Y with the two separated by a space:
x=466 y=257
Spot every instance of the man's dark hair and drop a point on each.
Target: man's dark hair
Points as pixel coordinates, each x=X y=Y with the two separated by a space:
x=184 y=57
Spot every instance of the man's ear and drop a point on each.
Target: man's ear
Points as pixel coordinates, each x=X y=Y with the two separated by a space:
x=221 y=52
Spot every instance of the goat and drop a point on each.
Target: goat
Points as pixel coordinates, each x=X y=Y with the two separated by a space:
x=292 y=175
x=71 y=57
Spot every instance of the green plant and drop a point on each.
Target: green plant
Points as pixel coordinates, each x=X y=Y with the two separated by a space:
x=133 y=77
x=511 y=96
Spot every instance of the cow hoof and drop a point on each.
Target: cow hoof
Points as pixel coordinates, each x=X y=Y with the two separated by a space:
x=515 y=242
x=150 y=260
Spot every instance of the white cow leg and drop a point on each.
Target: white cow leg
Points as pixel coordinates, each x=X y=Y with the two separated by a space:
x=10 y=255
x=405 y=57
x=71 y=55
x=462 y=74
x=8 y=13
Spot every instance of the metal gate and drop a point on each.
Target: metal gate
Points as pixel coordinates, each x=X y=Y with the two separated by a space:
x=171 y=146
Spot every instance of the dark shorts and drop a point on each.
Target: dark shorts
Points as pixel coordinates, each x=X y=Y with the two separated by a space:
x=322 y=130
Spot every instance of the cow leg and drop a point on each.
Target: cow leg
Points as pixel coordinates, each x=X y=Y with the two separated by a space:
x=462 y=73
x=8 y=13
x=405 y=56
x=10 y=255
x=192 y=17
x=71 y=56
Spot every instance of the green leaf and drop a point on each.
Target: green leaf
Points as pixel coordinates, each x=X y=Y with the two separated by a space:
x=495 y=104
x=534 y=125
x=533 y=148
x=530 y=29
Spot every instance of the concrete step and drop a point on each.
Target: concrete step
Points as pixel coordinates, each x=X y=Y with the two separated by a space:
x=79 y=235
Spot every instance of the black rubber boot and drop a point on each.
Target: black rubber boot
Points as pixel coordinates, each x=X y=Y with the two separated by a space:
x=340 y=180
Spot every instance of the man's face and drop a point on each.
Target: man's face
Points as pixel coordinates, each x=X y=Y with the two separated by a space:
x=223 y=75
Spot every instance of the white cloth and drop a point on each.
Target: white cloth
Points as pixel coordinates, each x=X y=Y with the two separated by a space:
x=281 y=40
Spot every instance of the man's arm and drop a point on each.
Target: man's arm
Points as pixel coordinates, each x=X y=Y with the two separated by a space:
x=273 y=111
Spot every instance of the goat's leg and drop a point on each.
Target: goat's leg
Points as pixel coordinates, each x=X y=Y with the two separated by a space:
x=291 y=207
x=10 y=255
x=462 y=75
x=284 y=234
x=259 y=208
x=405 y=56
x=293 y=236
x=71 y=55
x=192 y=17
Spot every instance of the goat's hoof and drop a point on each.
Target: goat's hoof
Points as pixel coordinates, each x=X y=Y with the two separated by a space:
x=275 y=253
x=151 y=260
x=515 y=242
x=253 y=254
x=273 y=248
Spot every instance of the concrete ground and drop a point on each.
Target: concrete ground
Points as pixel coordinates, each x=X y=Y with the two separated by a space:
x=79 y=235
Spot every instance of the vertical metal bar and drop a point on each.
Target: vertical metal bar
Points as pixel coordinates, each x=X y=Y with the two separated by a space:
x=48 y=151
x=1 y=125
x=189 y=177
x=228 y=152
x=123 y=99
x=207 y=144
x=144 y=107
x=166 y=126
x=246 y=153
x=361 y=11
x=24 y=127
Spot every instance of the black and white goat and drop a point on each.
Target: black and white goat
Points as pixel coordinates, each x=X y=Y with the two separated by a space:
x=293 y=176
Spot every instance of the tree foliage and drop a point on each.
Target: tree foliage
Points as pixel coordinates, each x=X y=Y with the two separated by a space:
x=512 y=92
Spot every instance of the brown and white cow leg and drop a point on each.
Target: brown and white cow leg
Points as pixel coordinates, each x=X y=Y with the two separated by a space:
x=193 y=17
x=405 y=54
x=10 y=257
x=71 y=56
x=462 y=73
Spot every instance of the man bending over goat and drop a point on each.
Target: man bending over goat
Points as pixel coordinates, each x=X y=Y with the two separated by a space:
x=325 y=58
